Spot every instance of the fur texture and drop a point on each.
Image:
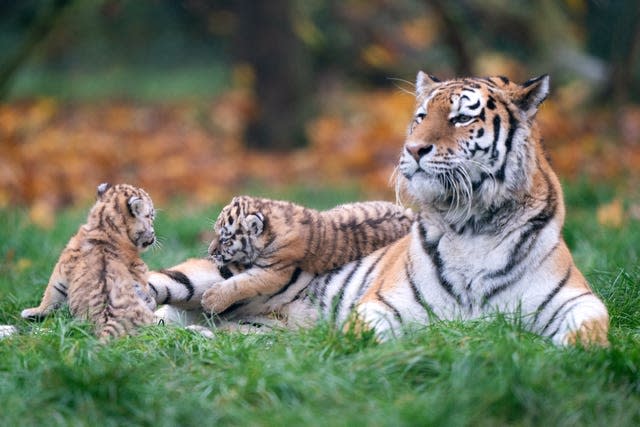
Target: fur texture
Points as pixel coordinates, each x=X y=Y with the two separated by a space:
x=488 y=237
x=100 y=273
x=271 y=239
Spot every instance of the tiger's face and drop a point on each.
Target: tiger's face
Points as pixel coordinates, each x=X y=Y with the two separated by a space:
x=237 y=234
x=469 y=140
x=127 y=210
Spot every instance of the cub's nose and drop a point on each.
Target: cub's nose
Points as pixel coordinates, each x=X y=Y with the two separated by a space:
x=417 y=150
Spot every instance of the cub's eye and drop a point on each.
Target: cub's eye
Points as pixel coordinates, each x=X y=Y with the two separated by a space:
x=462 y=119
x=226 y=243
x=419 y=117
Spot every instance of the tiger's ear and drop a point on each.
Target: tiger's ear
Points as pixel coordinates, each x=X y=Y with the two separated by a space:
x=425 y=82
x=255 y=223
x=135 y=205
x=531 y=94
x=102 y=188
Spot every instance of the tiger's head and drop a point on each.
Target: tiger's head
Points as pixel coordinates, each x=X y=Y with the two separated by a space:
x=471 y=144
x=238 y=233
x=126 y=213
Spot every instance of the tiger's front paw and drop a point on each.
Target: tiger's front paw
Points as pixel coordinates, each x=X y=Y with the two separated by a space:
x=32 y=313
x=216 y=301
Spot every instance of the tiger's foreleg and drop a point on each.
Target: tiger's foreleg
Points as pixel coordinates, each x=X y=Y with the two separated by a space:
x=250 y=283
x=585 y=323
x=55 y=295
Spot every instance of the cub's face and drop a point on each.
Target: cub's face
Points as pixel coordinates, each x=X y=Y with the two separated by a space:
x=140 y=224
x=128 y=209
x=237 y=236
x=466 y=133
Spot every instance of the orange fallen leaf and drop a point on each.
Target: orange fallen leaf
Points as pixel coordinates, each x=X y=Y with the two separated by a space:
x=611 y=214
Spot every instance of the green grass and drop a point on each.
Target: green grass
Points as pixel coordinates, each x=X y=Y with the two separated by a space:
x=481 y=373
x=150 y=84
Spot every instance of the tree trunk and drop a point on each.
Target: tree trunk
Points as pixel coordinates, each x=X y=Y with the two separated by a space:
x=42 y=24
x=265 y=40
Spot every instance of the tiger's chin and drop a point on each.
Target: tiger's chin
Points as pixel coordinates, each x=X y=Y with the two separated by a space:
x=429 y=194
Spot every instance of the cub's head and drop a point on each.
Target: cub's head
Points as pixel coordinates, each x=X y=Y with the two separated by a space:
x=238 y=233
x=125 y=211
x=472 y=142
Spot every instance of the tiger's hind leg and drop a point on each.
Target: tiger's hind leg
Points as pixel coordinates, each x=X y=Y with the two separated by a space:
x=55 y=295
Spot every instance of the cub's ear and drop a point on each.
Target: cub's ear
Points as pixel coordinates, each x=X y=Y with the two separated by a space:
x=102 y=188
x=532 y=93
x=425 y=82
x=255 y=223
x=135 y=205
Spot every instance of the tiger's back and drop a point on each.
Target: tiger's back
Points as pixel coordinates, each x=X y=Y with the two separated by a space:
x=100 y=273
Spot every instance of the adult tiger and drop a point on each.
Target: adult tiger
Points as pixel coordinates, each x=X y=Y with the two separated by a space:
x=488 y=237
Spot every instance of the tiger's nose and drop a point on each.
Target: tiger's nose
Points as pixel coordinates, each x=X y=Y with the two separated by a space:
x=418 y=149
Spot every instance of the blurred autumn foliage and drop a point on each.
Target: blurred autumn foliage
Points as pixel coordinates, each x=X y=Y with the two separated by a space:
x=54 y=154
x=199 y=100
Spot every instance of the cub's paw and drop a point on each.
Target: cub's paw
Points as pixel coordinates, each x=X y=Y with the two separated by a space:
x=32 y=314
x=215 y=301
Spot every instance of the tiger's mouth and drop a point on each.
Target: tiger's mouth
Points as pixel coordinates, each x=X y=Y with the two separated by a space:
x=146 y=240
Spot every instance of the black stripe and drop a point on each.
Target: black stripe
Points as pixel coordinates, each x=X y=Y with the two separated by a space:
x=153 y=288
x=310 y=224
x=294 y=277
x=417 y=295
x=319 y=294
x=496 y=136
x=231 y=308
x=102 y=280
x=396 y=313
x=431 y=249
x=555 y=313
x=513 y=125
x=61 y=288
x=181 y=278
x=474 y=106
x=364 y=281
x=225 y=272
x=552 y=294
x=530 y=236
x=167 y=299
x=336 y=301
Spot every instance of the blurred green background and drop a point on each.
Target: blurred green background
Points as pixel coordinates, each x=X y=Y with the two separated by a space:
x=171 y=94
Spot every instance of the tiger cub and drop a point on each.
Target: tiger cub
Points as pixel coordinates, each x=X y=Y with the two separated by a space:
x=100 y=272
x=270 y=239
